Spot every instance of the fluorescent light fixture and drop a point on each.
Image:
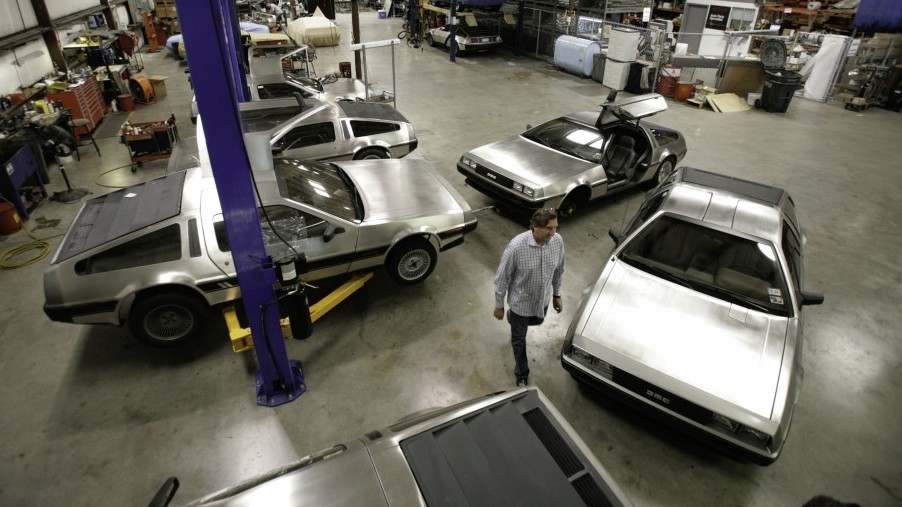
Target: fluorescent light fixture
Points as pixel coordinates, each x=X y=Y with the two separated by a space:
x=30 y=56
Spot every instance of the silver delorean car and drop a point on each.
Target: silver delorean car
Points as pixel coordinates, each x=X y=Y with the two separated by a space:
x=156 y=256
x=697 y=313
x=315 y=130
x=506 y=449
x=568 y=161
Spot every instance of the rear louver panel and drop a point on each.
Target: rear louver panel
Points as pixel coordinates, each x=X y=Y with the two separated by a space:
x=551 y=439
x=570 y=464
x=589 y=491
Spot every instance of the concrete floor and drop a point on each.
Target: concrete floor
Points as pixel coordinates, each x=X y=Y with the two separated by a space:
x=93 y=418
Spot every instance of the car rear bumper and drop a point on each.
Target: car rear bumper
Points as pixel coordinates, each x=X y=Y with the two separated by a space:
x=691 y=426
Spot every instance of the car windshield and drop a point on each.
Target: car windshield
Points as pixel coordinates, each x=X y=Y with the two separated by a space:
x=323 y=186
x=569 y=137
x=717 y=263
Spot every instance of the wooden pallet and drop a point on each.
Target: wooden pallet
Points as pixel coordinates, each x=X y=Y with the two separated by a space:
x=697 y=103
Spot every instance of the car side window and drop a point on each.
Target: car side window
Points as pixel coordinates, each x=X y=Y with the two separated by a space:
x=307 y=135
x=163 y=245
x=648 y=208
x=361 y=128
x=793 y=253
x=280 y=90
x=284 y=224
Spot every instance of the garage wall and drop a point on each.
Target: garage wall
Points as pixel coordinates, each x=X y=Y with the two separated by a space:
x=14 y=76
x=16 y=16
x=60 y=8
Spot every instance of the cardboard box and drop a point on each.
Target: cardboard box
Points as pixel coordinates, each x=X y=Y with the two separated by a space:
x=159 y=85
x=702 y=92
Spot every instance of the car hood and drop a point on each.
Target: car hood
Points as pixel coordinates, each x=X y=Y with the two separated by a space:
x=528 y=162
x=693 y=341
x=402 y=188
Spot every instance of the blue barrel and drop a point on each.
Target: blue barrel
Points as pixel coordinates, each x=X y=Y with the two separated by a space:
x=576 y=55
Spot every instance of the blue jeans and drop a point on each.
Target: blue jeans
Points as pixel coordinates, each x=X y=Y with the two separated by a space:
x=519 y=325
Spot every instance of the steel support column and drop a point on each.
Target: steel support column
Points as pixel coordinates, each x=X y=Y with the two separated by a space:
x=213 y=39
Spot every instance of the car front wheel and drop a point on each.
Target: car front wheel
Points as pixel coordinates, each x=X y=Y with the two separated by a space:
x=411 y=262
x=167 y=319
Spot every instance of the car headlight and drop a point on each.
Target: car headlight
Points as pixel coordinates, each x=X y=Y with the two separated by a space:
x=528 y=191
x=468 y=162
x=756 y=436
x=725 y=422
x=518 y=187
x=603 y=368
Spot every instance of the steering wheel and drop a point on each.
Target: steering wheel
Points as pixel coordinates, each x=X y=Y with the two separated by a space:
x=747 y=270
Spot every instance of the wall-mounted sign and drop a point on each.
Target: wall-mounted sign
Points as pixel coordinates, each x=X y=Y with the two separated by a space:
x=717 y=17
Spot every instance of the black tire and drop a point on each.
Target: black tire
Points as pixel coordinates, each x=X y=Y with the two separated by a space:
x=411 y=262
x=167 y=320
x=430 y=40
x=568 y=207
x=664 y=170
x=371 y=154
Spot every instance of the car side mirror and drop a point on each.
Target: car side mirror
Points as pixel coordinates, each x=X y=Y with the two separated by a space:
x=528 y=126
x=812 y=298
x=616 y=236
x=277 y=149
x=330 y=232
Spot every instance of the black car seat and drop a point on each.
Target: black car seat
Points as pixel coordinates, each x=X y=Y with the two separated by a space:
x=620 y=160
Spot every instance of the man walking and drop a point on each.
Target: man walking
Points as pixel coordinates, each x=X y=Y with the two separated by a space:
x=530 y=274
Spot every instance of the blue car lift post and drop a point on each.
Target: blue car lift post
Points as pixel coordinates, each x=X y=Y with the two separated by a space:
x=211 y=31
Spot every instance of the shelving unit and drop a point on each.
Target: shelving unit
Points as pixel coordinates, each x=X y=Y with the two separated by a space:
x=794 y=14
x=870 y=76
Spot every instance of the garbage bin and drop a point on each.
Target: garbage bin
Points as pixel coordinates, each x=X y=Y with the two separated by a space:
x=779 y=87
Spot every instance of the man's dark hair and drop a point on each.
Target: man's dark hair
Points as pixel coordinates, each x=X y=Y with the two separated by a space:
x=542 y=216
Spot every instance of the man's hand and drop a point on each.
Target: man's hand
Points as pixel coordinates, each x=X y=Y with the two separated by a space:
x=499 y=313
x=558 y=304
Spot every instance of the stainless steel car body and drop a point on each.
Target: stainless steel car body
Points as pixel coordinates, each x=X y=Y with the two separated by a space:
x=167 y=235
x=469 y=38
x=707 y=339
x=267 y=80
x=509 y=448
x=331 y=130
x=569 y=161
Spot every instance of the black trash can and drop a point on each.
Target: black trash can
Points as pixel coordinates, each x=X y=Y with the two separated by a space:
x=779 y=87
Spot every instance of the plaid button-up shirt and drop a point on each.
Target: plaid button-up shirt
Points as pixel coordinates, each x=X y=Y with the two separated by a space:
x=529 y=274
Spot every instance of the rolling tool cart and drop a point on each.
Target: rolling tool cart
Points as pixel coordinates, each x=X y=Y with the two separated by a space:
x=150 y=140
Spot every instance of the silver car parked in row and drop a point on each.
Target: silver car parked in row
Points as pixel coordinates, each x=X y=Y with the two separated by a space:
x=568 y=161
x=344 y=130
x=156 y=256
x=697 y=313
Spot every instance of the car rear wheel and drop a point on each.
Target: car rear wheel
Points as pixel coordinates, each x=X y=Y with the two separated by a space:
x=167 y=319
x=411 y=262
x=430 y=40
x=371 y=154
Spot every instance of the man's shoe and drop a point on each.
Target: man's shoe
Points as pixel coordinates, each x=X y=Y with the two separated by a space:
x=521 y=381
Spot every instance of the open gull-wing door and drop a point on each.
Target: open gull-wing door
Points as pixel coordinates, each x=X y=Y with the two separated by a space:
x=632 y=108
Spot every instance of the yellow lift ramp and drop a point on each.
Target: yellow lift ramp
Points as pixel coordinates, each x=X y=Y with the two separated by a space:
x=241 y=336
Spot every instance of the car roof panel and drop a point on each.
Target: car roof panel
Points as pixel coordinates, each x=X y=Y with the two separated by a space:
x=745 y=188
x=118 y=213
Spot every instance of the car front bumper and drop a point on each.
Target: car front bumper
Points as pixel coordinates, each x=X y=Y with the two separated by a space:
x=499 y=193
x=693 y=426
